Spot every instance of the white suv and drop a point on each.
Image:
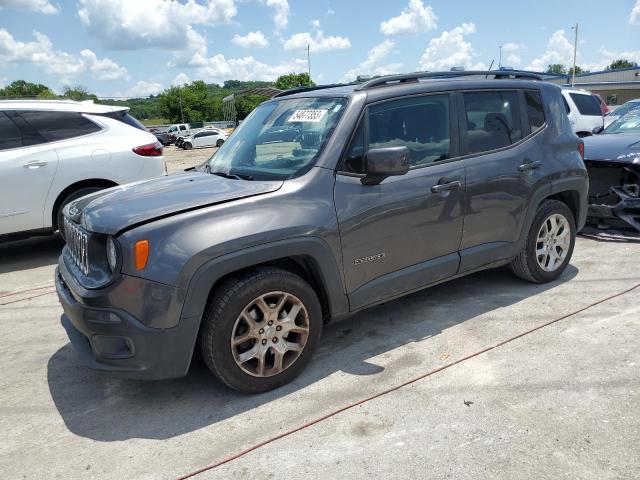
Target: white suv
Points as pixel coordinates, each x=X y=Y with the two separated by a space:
x=583 y=110
x=207 y=137
x=54 y=151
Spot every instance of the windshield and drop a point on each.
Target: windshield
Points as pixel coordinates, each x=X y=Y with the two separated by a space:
x=630 y=123
x=626 y=108
x=279 y=140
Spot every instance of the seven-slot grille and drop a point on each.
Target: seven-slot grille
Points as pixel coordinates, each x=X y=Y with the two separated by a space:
x=78 y=245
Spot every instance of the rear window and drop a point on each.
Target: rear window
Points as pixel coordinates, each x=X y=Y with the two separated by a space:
x=55 y=126
x=587 y=104
x=535 y=112
x=125 y=117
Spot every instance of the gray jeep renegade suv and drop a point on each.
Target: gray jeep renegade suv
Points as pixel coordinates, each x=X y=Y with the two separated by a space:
x=325 y=201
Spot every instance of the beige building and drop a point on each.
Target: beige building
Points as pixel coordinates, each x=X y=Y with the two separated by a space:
x=614 y=86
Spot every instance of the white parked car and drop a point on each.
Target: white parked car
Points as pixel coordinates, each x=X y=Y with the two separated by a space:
x=621 y=110
x=54 y=151
x=583 y=110
x=208 y=137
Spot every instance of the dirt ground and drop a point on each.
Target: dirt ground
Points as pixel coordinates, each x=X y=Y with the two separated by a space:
x=178 y=159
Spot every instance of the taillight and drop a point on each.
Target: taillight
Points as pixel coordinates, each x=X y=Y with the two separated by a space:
x=581 y=149
x=149 y=150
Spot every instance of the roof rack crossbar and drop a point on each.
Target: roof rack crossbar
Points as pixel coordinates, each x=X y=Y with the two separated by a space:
x=416 y=76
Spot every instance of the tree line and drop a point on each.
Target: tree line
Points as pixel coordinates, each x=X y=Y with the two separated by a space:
x=561 y=69
x=195 y=102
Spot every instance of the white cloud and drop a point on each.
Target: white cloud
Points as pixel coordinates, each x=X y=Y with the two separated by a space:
x=331 y=11
x=317 y=42
x=131 y=25
x=634 y=16
x=142 y=88
x=281 y=12
x=371 y=66
x=607 y=57
x=180 y=79
x=42 y=6
x=414 y=19
x=251 y=40
x=511 y=54
x=105 y=69
x=315 y=24
x=42 y=54
x=559 y=50
x=451 y=50
x=218 y=68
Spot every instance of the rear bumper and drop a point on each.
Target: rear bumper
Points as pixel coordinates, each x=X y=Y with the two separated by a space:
x=112 y=340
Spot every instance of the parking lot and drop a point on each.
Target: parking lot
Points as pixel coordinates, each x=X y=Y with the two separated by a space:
x=178 y=159
x=557 y=402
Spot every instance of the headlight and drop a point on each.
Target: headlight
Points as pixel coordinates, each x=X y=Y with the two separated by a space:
x=112 y=254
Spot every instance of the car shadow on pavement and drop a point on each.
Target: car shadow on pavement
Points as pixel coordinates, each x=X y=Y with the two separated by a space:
x=30 y=253
x=107 y=409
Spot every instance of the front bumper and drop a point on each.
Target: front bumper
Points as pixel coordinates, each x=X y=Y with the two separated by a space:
x=110 y=339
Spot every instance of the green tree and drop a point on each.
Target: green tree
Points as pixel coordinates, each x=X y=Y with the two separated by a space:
x=621 y=63
x=246 y=103
x=579 y=70
x=22 y=88
x=293 y=80
x=556 y=68
x=79 y=92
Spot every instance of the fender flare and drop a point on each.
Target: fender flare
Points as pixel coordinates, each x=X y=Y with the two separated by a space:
x=326 y=271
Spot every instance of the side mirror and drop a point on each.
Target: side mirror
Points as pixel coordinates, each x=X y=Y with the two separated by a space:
x=597 y=130
x=385 y=162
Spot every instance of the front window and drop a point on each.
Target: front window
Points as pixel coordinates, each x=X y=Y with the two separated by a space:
x=279 y=140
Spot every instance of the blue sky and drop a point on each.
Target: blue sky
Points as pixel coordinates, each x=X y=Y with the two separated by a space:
x=139 y=47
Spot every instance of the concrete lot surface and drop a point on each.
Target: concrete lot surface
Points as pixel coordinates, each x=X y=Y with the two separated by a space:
x=178 y=159
x=560 y=402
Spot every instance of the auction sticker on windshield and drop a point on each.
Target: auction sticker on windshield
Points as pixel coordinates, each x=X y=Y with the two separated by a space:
x=307 y=116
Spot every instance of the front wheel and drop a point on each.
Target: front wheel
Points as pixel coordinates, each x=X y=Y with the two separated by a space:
x=549 y=244
x=187 y=146
x=260 y=329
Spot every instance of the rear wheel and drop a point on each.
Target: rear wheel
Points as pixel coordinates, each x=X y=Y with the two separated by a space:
x=219 y=142
x=260 y=329
x=68 y=199
x=549 y=244
x=187 y=146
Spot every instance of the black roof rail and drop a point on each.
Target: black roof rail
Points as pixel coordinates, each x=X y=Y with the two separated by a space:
x=417 y=76
x=291 y=91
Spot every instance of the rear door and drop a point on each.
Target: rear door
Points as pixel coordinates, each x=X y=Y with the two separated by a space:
x=403 y=233
x=27 y=168
x=504 y=167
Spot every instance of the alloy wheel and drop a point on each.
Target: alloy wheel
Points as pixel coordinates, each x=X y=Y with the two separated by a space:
x=553 y=242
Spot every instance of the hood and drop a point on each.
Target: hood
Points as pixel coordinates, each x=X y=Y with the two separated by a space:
x=613 y=147
x=115 y=209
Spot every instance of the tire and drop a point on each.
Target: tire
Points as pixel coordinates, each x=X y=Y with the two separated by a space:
x=538 y=269
x=223 y=322
x=69 y=198
x=219 y=142
x=187 y=146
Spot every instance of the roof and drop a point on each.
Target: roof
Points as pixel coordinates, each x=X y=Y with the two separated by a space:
x=86 y=106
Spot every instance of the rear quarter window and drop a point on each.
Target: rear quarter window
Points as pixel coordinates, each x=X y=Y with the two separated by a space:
x=56 y=126
x=535 y=112
x=587 y=104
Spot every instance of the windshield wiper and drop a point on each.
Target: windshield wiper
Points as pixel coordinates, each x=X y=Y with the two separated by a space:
x=233 y=176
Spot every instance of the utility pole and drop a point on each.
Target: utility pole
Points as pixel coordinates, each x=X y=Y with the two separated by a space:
x=309 y=61
x=575 y=50
x=500 y=58
x=180 y=98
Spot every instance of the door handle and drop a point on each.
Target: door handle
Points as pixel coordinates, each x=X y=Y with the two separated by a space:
x=35 y=164
x=527 y=166
x=445 y=187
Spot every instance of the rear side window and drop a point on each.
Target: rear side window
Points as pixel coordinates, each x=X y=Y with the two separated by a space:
x=421 y=124
x=15 y=132
x=55 y=126
x=535 y=112
x=587 y=104
x=493 y=120
x=124 y=117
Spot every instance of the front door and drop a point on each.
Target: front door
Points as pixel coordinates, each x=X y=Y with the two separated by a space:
x=403 y=233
